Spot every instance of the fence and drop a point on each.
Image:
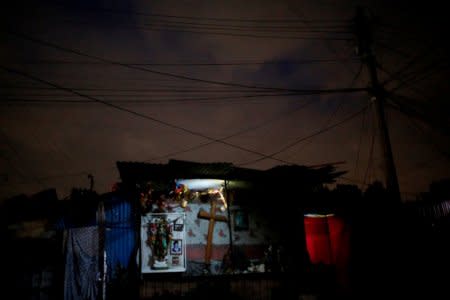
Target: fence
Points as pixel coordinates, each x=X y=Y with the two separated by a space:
x=237 y=286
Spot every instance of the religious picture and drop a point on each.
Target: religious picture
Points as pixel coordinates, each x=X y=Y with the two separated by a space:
x=240 y=220
x=175 y=260
x=162 y=243
x=175 y=247
x=178 y=227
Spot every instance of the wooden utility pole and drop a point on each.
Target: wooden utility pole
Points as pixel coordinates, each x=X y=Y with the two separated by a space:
x=364 y=34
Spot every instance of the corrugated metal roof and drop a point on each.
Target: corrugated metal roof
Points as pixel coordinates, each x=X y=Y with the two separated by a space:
x=138 y=172
x=133 y=172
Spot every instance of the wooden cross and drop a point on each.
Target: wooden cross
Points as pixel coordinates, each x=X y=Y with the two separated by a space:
x=212 y=217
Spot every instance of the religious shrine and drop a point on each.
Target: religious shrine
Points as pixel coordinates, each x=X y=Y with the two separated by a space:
x=215 y=218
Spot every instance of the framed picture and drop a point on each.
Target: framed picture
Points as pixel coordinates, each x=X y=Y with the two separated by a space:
x=178 y=227
x=176 y=247
x=175 y=260
x=240 y=220
x=163 y=248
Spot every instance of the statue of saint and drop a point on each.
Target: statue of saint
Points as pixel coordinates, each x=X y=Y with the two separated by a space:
x=159 y=240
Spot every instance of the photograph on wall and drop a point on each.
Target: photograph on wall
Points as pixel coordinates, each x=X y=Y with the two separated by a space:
x=160 y=243
x=240 y=220
x=175 y=260
x=175 y=247
x=178 y=227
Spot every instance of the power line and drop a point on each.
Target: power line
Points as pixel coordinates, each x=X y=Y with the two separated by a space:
x=437 y=119
x=417 y=75
x=224 y=32
x=355 y=77
x=165 y=123
x=422 y=37
x=348 y=179
x=262 y=124
x=394 y=50
x=327 y=122
x=336 y=28
x=190 y=64
x=240 y=132
x=167 y=74
x=308 y=23
x=397 y=35
x=371 y=150
x=413 y=123
x=181 y=128
x=174 y=89
x=239 y=20
x=301 y=139
x=284 y=20
x=312 y=33
x=422 y=75
x=168 y=89
x=360 y=141
x=185 y=100
x=340 y=104
x=411 y=62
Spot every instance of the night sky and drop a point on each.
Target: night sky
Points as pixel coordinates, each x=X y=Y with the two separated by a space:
x=256 y=83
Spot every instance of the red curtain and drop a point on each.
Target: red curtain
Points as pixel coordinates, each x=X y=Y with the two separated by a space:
x=318 y=239
x=328 y=242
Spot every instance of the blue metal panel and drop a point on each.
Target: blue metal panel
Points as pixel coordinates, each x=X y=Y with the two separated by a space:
x=120 y=238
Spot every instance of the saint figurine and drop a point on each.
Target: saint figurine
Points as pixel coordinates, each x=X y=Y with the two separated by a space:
x=159 y=241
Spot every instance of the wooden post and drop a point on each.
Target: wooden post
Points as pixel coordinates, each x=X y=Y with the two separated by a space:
x=212 y=217
x=230 y=230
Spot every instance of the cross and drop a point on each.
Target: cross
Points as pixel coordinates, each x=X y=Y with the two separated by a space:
x=212 y=217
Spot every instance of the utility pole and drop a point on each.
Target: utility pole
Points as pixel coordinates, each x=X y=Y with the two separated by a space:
x=364 y=35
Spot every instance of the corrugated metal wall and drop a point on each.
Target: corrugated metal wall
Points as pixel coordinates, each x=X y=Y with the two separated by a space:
x=435 y=210
x=120 y=236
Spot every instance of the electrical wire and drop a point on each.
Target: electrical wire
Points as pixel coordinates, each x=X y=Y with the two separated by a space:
x=226 y=20
x=186 y=100
x=238 y=133
x=162 y=122
x=172 y=75
x=360 y=142
x=304 y=138
x=400 y=72
x=371 y=151
x=190 y=64
x=222 y=32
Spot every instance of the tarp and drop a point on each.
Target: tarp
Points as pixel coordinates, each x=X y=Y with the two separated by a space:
x=80 y=280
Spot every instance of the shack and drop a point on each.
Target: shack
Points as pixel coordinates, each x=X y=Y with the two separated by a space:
x=221 y=224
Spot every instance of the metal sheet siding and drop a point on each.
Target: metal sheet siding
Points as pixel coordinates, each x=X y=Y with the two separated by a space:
x=120 y=238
